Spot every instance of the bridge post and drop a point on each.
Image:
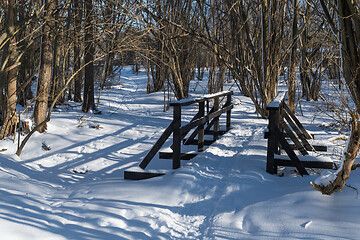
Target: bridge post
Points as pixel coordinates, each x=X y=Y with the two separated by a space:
x=201 y=127
x=216 y=119
x=228 y=113
x=273 y=141
x=177 y=136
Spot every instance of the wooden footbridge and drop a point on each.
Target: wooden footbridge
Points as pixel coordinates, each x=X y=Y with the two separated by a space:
x=205 y=122
x=285 y=132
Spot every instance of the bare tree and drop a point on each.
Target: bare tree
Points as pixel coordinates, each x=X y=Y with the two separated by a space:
x=26 y=47
x=348 y=17
x=292 y=77
x=77 y=46
x=45 y=73
x=172 y=18
x=11 y=70
x=88 y=102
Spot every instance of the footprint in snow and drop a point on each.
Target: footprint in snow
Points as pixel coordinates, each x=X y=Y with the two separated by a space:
x=306 y=224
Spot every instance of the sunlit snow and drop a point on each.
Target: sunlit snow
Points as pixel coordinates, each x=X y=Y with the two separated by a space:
x=76 y=189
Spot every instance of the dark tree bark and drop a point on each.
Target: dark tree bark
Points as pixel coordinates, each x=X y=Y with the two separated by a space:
x=348 y=16
x=11 y=72
x=42 y=94
x=273 y=16
x=292 y=75
x=77 y=44
x=24 y=83
x=56 y=80
x=88 y=102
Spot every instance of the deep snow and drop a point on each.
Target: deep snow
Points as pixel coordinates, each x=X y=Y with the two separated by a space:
x=76 y=189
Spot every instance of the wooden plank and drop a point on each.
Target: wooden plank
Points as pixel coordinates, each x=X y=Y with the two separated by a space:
x=200 y=128
x=277 y=102
x=298 y=123
x=207 y=130
x=200 y=121
x=266 y=135
x=228 y=113
x=217 y=95
x=196 y=131
x=291 y=153
x=177 y=137
x=192 y=136
x=307 y=164
x=302 y=137
x=183 y=134
x=130 y=175
x=286 y=136
x=216 y=119
x=207 y=109
x=184 y=156
x=318 y=148
x=273 y=141
x=187 y=102
x=292 y=136
x=159 y=143
x=204 y=119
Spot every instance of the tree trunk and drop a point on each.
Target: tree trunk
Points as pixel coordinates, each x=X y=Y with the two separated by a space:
x=42 y=94
x=348 y=160
x=273 y=15
x=292 y=75
x=56 y=80
x=265 y=47
x=88 y=102
x=11 y=71
x=77 y=57
x=349 y=51
x=349 y=38
x=304 y=65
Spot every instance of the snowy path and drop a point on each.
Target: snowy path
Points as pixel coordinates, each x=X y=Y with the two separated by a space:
x=221 y=202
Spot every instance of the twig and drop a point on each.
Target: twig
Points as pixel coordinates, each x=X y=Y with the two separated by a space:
x=355 y=166
x=80 y=125
x=339 y=138
x=357 y=192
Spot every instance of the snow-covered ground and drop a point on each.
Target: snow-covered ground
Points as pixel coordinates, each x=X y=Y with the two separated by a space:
x=76 y=189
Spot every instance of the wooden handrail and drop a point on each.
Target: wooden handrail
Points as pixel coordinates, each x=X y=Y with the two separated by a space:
x=198 y=122
x=187 y=102
x=284 y=124
x=277 y=102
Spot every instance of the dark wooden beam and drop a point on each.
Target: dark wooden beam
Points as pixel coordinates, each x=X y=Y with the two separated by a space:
x=200 y=128
x=130 y=175
x=273 y=141
x=292 y=136
x=298 y=132
x=159 y=143
x=317 y=148
x=177 y=137
x=298 y=123
x=183 y=156
x=307 y=164
x=291 y=153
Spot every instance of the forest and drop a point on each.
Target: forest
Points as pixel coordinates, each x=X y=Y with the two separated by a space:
x=56 y=54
